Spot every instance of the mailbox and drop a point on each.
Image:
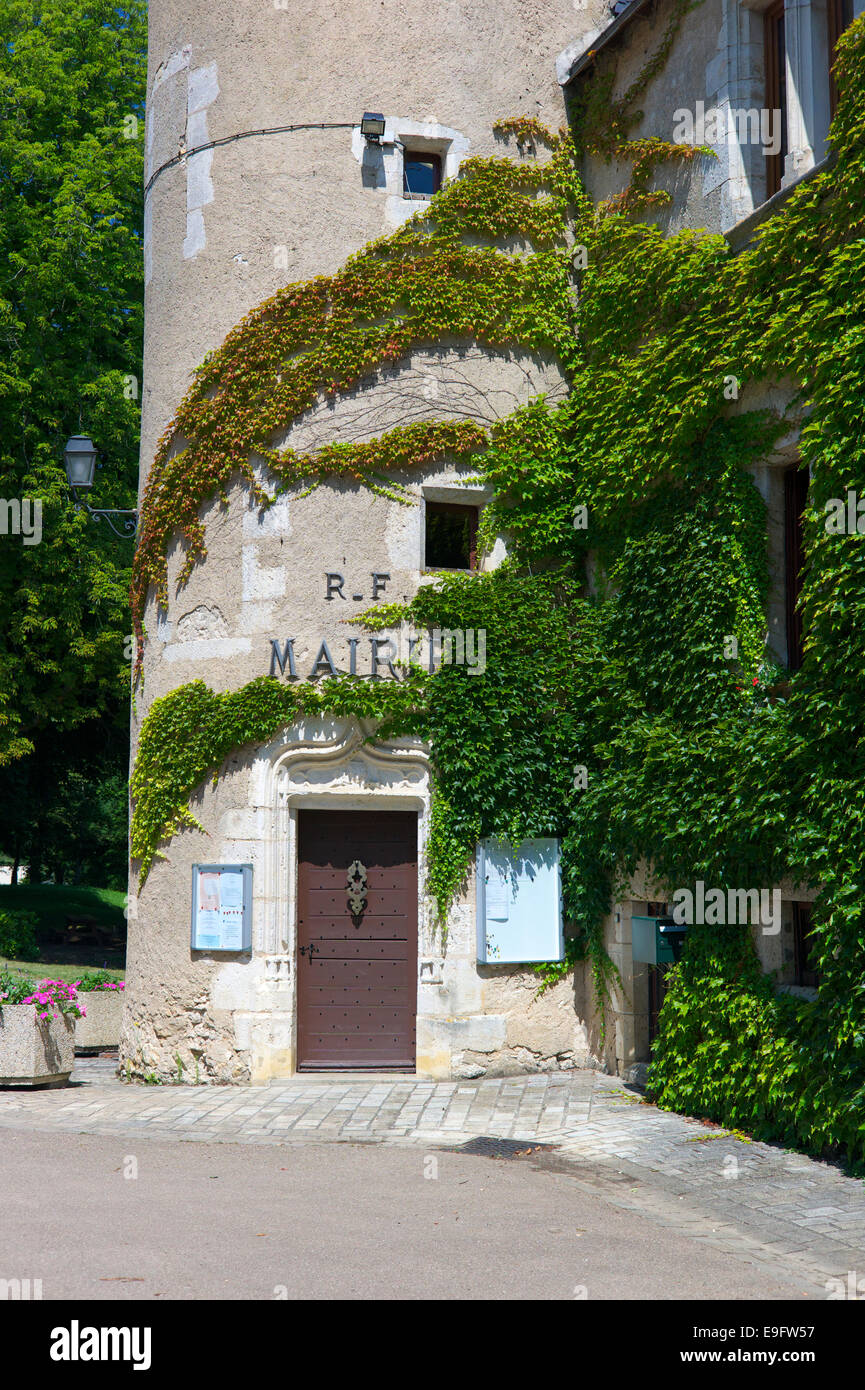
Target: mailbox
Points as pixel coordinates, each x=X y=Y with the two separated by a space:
x=657 y=940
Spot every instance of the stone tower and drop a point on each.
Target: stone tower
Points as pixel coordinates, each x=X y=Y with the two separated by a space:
x=258 y=175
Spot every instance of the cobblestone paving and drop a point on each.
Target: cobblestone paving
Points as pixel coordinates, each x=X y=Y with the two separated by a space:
x=804 y=1220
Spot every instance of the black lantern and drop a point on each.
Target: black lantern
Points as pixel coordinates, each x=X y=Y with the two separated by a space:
x=372 y=127
x=80 y=459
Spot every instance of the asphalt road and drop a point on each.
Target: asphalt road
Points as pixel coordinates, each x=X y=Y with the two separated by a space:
x=329 y=1221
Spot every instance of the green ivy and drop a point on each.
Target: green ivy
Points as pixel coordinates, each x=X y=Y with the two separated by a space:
x=190 y=732
x=734 y=1050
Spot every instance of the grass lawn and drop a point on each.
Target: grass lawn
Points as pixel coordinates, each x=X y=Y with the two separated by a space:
x=51 y=970
x=77 y=929
x=53 y=903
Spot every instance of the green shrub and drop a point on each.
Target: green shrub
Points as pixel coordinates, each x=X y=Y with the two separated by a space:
x=18 y=935
x=14 y=989
x=97 y=980
x=733 y=1050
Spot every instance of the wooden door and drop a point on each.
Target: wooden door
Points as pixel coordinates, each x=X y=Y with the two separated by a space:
x=357 y=970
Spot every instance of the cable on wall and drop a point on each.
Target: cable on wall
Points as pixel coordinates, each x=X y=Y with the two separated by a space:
x=245 y=135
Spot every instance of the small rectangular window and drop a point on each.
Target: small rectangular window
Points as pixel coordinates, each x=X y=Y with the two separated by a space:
x=451 y=536
x=775 y=60
x=805 y=944
x=421 y=174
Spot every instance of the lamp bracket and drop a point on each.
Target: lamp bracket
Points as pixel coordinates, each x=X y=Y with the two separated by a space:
x=129 y=524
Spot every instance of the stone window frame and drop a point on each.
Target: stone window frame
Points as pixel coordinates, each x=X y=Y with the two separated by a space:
x=737 y=79
x=453 y=495
x=382 y=164
x=770 y=479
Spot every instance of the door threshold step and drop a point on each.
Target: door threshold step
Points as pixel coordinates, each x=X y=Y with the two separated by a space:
x=304 y=1078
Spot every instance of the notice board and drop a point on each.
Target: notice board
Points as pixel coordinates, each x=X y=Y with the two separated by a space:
x=221 y=907
x=519 y=902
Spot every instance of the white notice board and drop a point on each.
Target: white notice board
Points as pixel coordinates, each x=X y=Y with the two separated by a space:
x=519 y=902
x=221 y=907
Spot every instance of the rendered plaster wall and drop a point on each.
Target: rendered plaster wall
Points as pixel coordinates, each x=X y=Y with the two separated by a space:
x=229 y=226
x=172 y=1006
x=264 y=578
x=481 y=1020
x=681 y=82
x=225 y=228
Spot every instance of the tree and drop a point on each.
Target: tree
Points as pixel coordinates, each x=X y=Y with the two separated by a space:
x=71 y=77
x=63 y=808
x=72 y=83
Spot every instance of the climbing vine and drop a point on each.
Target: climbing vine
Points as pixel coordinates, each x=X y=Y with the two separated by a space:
x=602 y=123
x=613 y=711
x=322 y=338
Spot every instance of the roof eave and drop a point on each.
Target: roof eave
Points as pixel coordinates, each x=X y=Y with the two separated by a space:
x=574 y=60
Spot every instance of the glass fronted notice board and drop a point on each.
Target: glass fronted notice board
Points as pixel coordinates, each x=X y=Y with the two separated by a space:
x=221 y=907
x=519 y=894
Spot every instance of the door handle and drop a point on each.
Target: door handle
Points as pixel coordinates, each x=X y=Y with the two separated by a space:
x=312 y=948
x=356 y=886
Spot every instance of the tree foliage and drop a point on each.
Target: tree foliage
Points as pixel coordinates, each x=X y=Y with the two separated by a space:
x=70 y=340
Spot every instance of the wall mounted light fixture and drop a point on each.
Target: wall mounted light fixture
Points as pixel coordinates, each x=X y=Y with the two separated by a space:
x=372 y=127
x=79 y=457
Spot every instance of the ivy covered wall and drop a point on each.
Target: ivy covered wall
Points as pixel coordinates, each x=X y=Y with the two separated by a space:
x=637 y=546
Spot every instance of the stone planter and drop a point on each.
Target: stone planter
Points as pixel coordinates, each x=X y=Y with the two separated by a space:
x=34 y=1053
x=100 y=1028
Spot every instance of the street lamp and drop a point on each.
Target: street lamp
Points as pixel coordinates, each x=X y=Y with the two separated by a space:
x=79 y=457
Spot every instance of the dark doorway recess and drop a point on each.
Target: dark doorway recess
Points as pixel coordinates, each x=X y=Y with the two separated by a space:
x=795 y=497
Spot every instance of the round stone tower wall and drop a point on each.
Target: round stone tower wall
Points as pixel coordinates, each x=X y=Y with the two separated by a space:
x=225 y=228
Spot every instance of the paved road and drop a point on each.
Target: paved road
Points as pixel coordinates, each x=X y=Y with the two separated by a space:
x=333 y=1221
x=657 y=1204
